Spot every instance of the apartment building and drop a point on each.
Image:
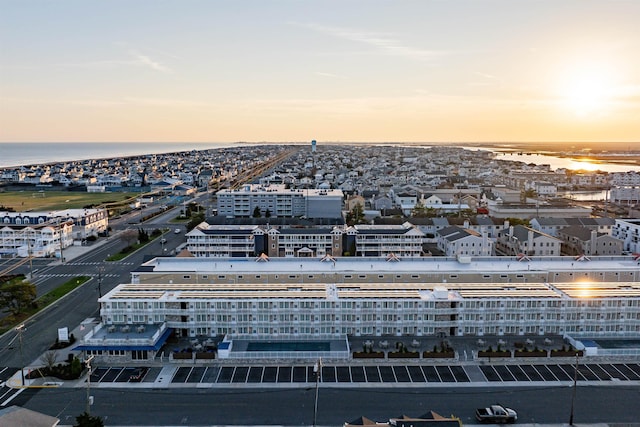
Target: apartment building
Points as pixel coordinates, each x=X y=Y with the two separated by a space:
x=628 y=230
x=276 y=200
x=372 y=296
x=551 y=225
x=582 y=241
x=207 y=240
x=524 y=240
x=42 y=234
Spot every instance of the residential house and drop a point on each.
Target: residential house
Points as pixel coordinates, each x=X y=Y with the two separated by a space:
x=455 y=241
x=583 y=241
x=519 y=239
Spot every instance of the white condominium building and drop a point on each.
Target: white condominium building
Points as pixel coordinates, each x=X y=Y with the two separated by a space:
x=251 y=240
x=276 y=200
x=44 y=234
x=628 y=230
x=312 y=298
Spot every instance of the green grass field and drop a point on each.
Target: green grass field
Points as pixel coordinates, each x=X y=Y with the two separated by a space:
x=57 y=200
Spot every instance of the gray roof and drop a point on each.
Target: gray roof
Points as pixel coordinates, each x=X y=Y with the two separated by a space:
x=581 y=233
x=16 y=416
x=453 y=233
x=276 y=222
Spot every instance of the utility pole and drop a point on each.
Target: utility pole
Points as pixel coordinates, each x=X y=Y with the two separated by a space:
x=317 y=369
x=20 y=329
x=100 y=269
x=60 y=232
x=573 y=396
x=89 y=402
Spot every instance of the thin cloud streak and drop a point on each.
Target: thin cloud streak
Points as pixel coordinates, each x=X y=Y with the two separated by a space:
x=148 y=62
x=331 y=75
x=139 y=60
x=382 y=41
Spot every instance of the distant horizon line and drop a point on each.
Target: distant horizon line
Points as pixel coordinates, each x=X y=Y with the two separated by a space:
x=323 y=142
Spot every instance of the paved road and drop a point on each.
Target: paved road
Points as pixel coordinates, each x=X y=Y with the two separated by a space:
x=41 y=331
x=294 y=407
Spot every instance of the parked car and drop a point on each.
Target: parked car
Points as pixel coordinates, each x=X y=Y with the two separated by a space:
x=496 y=414
x=137 y=375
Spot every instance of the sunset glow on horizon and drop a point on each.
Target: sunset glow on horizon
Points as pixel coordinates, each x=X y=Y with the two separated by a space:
x=372 y=71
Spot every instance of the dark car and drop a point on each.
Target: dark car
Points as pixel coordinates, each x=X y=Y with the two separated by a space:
x=138 y=374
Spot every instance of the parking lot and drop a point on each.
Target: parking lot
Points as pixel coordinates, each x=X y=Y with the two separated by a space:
x=562 y=372
x=375 y=374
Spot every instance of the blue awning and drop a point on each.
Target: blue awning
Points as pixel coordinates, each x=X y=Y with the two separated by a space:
x=112 y=347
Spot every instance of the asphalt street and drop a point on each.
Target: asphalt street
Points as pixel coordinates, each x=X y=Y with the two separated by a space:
x=294 y=407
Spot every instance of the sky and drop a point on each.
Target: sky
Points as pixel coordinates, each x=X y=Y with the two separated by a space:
x=296 y=70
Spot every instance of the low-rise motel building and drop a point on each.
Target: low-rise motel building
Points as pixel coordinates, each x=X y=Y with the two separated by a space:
x=47 y=233
x=336 y=297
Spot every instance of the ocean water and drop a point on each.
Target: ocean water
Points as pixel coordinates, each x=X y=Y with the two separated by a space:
x=19 y=154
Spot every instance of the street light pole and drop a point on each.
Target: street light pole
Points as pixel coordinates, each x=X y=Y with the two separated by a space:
x=317 y=369
x=20 y=329
x=88 y=363
x=100 y=269
x=573 y=396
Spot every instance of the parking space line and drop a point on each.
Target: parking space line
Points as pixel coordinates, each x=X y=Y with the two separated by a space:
x=416 y=374
x=560 y=373
x=328 y=374
x=255 y=374
x=373 y=374
x=211 y=374
x=518 y=373
x=490 y=373
x=546 y=372
x=181 y=375
x=588 y=373
x=240 y=374
x=387 y=375
x=299 y=374
x=634 y=367
x=532 y=373
x=269 y=374
x=445 y=374
x=284 y=374
x=571 y=371
x=431 y=374
x=196 y=374
x=401 y=373
x=343 y=374
x=598 y=372
x=357 y=374
x=624 y=370
x=459 y=374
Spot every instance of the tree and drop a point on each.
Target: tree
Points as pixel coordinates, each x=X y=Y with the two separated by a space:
x=129 y=237
x=86 y=420
x=528 y=194
x=356 y=215
x=518 y=221
x=419 y=210
x=256 y=212
x=49 y=358
x=143 y=236
x=267 y=214
x=76 y=367
x=16 y=295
